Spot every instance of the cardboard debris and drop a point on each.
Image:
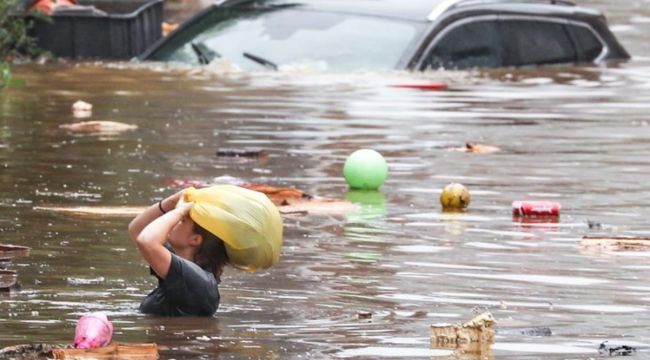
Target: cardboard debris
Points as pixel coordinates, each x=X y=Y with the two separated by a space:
x=472 y=337
x=113 y=351
x=619 y=243
x=293 y=201
x=279 y=195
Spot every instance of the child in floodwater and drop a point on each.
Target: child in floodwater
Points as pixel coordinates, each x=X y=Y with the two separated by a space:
x=188 y=268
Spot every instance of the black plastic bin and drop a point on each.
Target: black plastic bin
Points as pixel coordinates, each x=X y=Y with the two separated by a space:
x=102 y=29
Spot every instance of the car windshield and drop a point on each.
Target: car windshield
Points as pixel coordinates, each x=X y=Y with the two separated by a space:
x=266 y=38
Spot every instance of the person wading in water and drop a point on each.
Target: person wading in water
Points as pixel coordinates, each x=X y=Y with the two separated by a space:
x=188 y=238
x=187 y=259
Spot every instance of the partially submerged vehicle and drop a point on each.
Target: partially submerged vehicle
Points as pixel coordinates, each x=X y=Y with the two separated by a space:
x=344 y=35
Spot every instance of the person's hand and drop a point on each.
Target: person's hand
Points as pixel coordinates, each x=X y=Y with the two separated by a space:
x=171 y=202
x=183 y=205
x=173 y=199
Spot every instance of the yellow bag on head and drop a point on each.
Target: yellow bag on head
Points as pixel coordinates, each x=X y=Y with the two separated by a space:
x=246 y=220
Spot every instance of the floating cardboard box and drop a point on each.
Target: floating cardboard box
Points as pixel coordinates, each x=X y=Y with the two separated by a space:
x=473 y=337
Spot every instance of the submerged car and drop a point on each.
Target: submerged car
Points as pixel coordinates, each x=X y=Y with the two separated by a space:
x=349 y=35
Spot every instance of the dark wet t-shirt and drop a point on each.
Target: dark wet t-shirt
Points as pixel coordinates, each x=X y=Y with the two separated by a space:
x=188 y=290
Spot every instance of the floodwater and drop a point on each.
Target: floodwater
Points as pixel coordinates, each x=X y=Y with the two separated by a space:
x=576 y=135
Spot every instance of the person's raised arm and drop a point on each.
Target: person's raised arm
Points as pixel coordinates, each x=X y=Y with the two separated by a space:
x=150 y=228
x=152 y=238
x=151 y=213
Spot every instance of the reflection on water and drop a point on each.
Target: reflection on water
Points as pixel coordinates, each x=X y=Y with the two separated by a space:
x=578 y=136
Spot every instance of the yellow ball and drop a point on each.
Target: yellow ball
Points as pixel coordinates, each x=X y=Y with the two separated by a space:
x=454 y=197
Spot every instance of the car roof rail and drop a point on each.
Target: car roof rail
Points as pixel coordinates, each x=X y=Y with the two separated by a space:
x=447 y=5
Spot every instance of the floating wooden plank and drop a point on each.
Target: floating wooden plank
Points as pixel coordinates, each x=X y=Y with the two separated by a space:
x=317 y=207
x=291 y=206
x=95 y=211
x=473 y=337
x=98 y=126
x=289 y=200
x=619 y=243
x=8 y=279
x=11 y=251
x=112 y=351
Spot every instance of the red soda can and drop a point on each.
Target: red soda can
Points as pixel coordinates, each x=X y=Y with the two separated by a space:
x=535 y=208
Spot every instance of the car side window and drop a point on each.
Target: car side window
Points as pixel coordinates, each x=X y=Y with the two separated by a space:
x=589 y=46
x=473 y=44
x=533 y=42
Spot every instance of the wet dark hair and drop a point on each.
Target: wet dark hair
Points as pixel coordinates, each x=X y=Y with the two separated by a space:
x=212 y=254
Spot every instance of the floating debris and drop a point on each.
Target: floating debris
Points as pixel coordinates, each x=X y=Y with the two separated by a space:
x=475 y=148
x=454 y=197
x=236 y=153
x=98 y=211
x=434 y=86
x=112 y=351
x=473 y=336
x=606 y=349
x=29 y=351
x=98 y=126
x=11 y=251
x=290 y=201
x=535 y=208
x=8 y=278
x=529 y=331
x=279 y=195
x=592 y=225
x=81 y=105
x=93 y=331
x=82 y=109
x=364 y=315
x=140 y=351
x=82 y=281
x=365 y=169
x=619 y=243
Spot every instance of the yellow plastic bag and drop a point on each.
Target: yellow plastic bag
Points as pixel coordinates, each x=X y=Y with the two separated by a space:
x=247 y=222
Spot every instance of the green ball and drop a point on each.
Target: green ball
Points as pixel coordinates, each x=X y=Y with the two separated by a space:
x=365 y=169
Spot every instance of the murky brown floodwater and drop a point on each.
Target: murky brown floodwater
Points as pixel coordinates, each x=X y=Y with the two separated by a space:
x=580 y=136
